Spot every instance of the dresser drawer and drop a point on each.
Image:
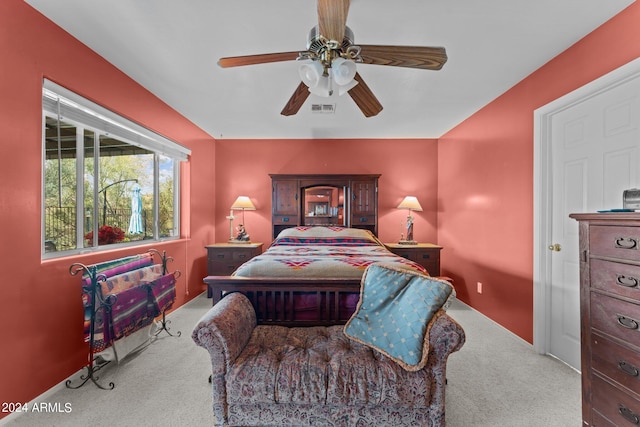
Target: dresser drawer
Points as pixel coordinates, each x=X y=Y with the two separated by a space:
x=231 y=255
x=617 y=242
x=428 y=259
x=620 y=279
x=616 y=362
x=620 y=408
x=599 y=421
x=615 y=317
x=363 y=220
x=224 y=258
x=285 y=219
x=425 y=254
x=215 y=268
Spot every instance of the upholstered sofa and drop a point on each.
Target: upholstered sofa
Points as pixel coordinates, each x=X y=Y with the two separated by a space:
x=270 y=375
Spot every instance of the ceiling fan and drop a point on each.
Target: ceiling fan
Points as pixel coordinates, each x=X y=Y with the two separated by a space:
x=329 y=61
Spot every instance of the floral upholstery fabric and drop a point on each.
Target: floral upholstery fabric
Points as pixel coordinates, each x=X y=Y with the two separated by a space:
x=316 y=376
x=320 y=365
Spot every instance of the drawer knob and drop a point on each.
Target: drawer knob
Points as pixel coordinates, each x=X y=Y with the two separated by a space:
x=626 y=281
x=627 y=322
x=626 y=243
x=220 y=256
x=628 y=414
x=628 y=368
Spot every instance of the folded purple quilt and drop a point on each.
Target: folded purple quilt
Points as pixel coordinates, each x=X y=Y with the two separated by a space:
x=131 y=311
x=103 y=333
x=163 y=291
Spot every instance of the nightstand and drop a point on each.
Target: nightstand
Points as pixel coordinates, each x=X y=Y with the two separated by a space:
x=425 y=254
x=224 y=258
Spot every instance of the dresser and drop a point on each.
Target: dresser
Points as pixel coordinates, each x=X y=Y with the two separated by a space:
x=425 y=254
x=224 y=258
x=610 y=318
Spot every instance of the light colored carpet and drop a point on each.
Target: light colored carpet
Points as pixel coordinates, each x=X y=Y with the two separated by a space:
x=495 y=380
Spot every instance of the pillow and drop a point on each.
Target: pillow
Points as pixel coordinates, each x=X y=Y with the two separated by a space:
x=395 y=313
x=322 y=231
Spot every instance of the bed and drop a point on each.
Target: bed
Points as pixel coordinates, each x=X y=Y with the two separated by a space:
x=308 y=275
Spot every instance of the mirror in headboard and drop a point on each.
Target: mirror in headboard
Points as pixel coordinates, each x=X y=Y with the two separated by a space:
x=324 y=205
x=343 y=200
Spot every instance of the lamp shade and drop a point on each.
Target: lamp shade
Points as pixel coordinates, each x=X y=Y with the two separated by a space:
x=344 y=71
x=311 y=73
x=411 y=203
x=243 y=203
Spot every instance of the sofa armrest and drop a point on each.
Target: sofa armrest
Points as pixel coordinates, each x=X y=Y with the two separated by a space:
x=226 y=328
x=446 y=336
x=224 y=331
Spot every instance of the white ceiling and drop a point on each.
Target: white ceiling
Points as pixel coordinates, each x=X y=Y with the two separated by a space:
x=171 y=48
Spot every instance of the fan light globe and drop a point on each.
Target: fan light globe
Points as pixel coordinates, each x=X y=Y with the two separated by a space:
x=311 y=74
x=322 y=88
x=344 y=71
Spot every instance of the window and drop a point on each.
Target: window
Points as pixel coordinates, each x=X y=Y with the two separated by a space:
x=104 y=176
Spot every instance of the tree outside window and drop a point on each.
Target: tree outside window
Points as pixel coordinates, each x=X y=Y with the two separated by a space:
x=99 y=184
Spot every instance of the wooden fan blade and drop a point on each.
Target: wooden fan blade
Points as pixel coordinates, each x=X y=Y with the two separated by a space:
x=332 y=18
x=297 y=99
x=364 y=98
x=236 y=61
x=425 y=58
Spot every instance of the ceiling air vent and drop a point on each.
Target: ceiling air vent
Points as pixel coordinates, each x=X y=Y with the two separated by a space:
x=323 y=108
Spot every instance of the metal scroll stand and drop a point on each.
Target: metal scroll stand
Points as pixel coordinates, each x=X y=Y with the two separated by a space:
x=96 y=301
x=164 y=322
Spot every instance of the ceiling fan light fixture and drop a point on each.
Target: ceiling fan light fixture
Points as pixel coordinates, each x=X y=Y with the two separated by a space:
x=322 y=88
x=338 y=79
x=344 y=70
x=311 y=73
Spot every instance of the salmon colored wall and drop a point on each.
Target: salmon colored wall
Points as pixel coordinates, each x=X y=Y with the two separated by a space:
x=40 y=307
x=407 y=167
x=485 y=177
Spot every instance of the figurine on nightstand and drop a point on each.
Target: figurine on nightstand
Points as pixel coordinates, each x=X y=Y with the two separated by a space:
x=242 y=234
x=410 y=228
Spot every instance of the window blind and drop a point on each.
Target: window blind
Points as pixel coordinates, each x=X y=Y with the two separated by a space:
x=74 y=107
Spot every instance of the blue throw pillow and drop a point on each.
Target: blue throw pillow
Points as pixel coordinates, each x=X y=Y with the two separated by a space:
x=395 y=311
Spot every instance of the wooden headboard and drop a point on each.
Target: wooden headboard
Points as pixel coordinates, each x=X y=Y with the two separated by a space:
x=344 y=200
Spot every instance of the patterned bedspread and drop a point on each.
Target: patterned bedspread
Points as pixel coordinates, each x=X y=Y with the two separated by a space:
x=322 y=252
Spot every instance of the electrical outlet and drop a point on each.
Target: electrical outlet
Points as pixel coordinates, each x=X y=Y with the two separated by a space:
x=479 y=287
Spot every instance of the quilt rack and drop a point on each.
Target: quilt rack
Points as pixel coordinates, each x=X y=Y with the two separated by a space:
x=98 y=302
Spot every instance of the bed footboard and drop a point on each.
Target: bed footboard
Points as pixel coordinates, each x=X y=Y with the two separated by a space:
x=293 y=301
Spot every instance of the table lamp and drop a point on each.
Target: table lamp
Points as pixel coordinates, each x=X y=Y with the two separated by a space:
x=411 y=204
x=242 y=203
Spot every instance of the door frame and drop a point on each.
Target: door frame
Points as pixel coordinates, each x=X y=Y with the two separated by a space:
x=542 y=195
